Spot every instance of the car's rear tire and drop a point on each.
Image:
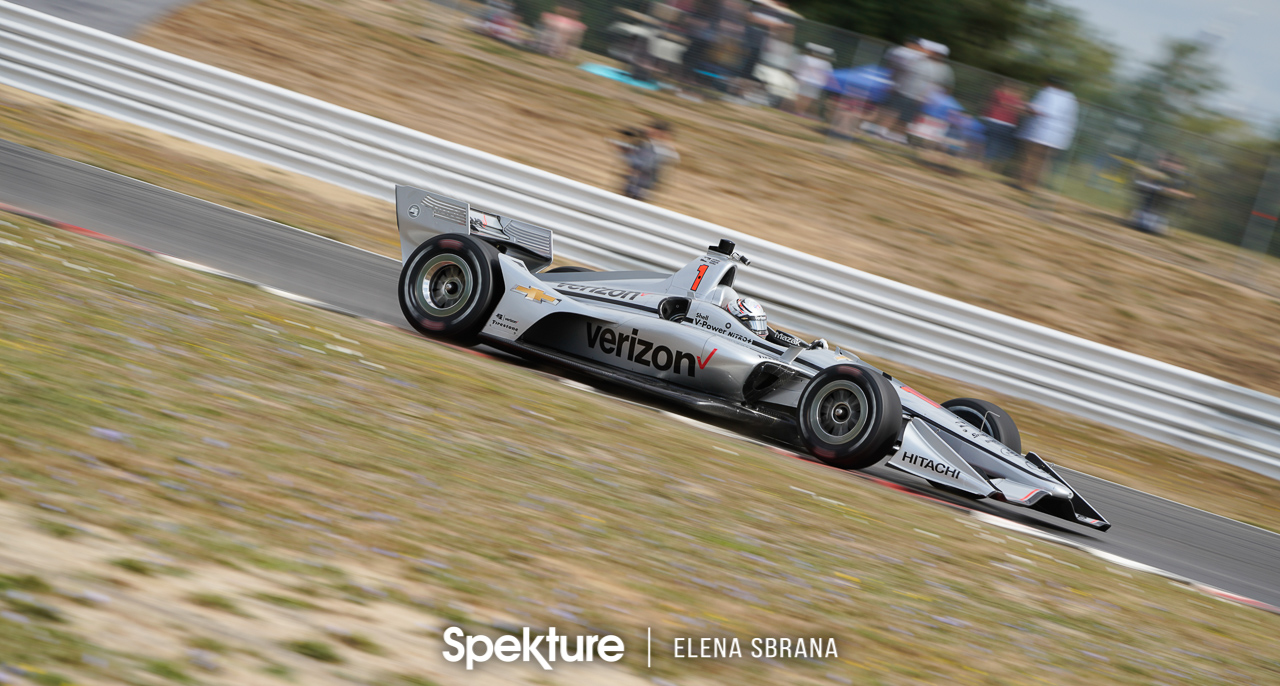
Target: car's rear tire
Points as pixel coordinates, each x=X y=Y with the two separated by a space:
x=568 y=269
x=849 y=416
x=988 y=418
x=449 y=287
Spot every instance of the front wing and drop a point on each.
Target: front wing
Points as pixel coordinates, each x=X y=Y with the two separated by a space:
x=924 y=454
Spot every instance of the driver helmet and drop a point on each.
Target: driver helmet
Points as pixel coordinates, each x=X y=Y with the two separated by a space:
x=751 y=313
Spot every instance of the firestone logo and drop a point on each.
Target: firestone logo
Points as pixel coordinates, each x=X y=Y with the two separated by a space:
x=530 y=648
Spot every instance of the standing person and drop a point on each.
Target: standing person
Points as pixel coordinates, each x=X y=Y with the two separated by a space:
x=1051 y=128
x=812 y=73
x=922 y=78
x=1158 y=191
x=1001 y=120
x=645 y=152
x=897 y=62
x=662 y=138
x=641 y=159
x=729 y=49
x=561 y=32
x=898 y=59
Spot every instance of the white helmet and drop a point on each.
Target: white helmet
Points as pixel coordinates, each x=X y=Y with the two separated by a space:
x=751 y=313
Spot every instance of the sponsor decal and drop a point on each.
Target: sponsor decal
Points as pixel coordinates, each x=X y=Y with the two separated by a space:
x=536 y=295
x=644 y=353
x=727 y=331
x=414 y=211
x=505 y=323
x=531 y=648
x=932 y=465
x=447 y=212
x=702 y=271
x=615 y=293
x=770 y=648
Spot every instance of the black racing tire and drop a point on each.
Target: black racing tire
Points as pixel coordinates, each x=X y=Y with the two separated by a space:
x=849 y=416
x=988 y=418
x=567 y=269
x=449 y=287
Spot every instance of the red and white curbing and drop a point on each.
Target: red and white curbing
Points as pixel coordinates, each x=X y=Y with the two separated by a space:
x=984 y=517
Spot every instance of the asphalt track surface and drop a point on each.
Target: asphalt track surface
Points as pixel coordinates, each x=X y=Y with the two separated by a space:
x=121 y=17
x=1212 y=550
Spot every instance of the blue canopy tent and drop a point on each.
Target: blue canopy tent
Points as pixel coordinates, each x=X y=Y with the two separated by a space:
x=869 y=81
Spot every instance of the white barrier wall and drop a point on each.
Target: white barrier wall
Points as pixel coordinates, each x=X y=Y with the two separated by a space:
x=123 y=79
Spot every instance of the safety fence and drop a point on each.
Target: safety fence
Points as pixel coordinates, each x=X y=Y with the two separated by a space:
x=138 y=84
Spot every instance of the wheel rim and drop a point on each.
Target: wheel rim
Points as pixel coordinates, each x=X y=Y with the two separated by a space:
x=838 y=412
x=976 y=419
x=444 y=285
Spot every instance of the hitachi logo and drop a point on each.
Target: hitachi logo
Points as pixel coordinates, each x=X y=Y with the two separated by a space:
x=939 y=467
x=642 y=352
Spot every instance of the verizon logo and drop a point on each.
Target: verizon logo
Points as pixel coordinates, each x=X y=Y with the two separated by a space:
x=644 y=353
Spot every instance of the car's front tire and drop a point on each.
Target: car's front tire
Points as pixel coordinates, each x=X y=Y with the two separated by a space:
x=849 y=416
x=449 y=287
x=988 y=418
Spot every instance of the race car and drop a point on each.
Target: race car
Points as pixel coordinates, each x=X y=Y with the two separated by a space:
x=471 y=277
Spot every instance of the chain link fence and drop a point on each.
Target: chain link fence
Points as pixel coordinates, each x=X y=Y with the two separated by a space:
x=706 y=43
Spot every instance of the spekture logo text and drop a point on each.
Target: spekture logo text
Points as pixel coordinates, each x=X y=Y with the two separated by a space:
x=530 y=648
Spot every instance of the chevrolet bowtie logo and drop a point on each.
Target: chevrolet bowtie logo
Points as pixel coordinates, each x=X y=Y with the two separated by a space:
x=536 y=295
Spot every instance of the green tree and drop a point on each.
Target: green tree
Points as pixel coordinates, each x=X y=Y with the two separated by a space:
x=1175 y=88
x=1053 y=40
x=1024 y=39
x=973 y=29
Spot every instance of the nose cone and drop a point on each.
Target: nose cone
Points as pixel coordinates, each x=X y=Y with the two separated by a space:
x=1059 y=491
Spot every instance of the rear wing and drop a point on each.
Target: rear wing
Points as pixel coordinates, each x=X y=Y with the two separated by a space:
x=422 y=214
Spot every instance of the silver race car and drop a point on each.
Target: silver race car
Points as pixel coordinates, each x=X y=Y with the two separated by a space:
x=471 y=276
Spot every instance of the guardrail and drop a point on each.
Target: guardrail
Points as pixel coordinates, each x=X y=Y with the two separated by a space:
x=138 y=84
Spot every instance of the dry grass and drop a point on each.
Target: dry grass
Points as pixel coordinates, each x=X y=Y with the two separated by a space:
x=963 y=235
x=223 y=441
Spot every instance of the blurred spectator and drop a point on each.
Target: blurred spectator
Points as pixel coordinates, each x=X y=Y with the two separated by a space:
x=727 y=47
x=1050 y=129
x=774 y=67
x=699 y=30
x=663 y=140
x=918 y=80
x=561 y=32
x=498 y=20
x=755 y=40
x=1158 y=191
x=667 y=46
x=899 y=58
x=896 y=63
x=812 y=73
x=1001 y=120
x=646 y=152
